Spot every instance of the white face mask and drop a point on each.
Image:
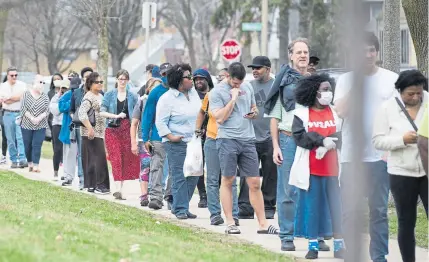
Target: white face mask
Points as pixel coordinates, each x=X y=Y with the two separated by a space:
x=325 y=98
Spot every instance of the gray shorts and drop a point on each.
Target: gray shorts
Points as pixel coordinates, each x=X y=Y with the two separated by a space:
x=233 y=153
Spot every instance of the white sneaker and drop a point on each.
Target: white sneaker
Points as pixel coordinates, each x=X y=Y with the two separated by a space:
x=3 y=160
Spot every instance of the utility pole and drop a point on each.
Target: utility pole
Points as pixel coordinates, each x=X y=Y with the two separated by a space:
x=148 y=21
x=264 y=31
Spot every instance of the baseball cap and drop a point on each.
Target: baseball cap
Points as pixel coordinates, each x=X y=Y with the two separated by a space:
x=260 y=61
x=314 y=60
x=163 y=68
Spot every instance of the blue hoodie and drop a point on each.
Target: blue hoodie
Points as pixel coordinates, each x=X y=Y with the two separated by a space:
x=64 y=107
x=148 y=122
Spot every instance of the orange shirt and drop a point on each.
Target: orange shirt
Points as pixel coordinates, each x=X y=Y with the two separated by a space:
x=211 y=125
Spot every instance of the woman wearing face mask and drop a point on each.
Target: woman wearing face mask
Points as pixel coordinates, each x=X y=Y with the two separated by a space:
x=120 y=102
x=315 y=129
x=395 y=131
x=34 y=121
x=56 y=124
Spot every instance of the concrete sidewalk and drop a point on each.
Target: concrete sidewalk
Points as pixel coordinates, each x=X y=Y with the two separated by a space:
x=248 y=227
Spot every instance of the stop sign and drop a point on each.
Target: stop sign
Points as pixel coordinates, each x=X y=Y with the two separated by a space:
x=230 y=49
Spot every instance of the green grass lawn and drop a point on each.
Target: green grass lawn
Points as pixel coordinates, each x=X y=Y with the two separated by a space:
x=47 y=151
x=421 y=226
x=42 y=222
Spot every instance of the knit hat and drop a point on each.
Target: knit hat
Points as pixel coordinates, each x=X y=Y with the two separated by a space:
x=204 y=74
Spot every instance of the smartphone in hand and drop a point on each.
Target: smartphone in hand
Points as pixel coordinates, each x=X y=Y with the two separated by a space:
x=250 y=114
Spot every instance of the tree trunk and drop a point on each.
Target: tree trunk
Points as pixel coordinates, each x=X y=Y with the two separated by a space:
x=283 y=32
x=116 y=61
x=103 y=45
x=416 y=13
x=3 y=23
x=306 y=8
x=392 y=35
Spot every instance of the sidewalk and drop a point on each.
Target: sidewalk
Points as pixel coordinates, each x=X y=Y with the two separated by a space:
x=248 y=227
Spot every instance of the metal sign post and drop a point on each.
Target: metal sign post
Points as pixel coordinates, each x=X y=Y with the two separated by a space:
x=148 y=21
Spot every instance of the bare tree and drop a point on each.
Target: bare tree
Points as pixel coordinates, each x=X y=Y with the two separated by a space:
x=48 y=32
x=96 y=15
x=122 y=27
x=416 y=12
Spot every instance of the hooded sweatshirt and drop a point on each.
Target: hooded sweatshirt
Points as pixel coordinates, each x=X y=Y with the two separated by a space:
x=203 y=73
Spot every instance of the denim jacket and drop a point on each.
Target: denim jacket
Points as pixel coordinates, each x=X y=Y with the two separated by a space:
x=110 y=102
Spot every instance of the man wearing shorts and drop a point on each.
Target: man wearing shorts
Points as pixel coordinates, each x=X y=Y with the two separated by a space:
x=233 y=105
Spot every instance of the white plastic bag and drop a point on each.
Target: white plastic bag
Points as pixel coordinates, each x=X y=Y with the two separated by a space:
x=193 y=165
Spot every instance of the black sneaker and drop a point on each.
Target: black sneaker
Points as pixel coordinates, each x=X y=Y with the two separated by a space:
x=203 y=202
x=67 y=183
x=62 y=178
x=182 y=216
x=14 y=165
x=323 y=246
x=190 y=215
x=101 y=191
x=216 y=220
x=155 y=204
x=23 y=164
x=288 y=245
x=312 y=254
x=91 y=190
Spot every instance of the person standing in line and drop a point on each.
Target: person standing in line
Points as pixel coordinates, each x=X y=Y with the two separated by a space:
x=53 y=90
x=11 y=92
x=279 y=106
x=153 y=143
x=223 y=73
x=76 y=100
x=211 y=156
x=233 y=105
x=68 y=135
x=379 y=86
x=176 y=114
x=57 y=120
x=34 y=121
x=203 y=84
x=120 y=102
x=395 y=131
x=261 y=68
x=138 y=147
x=94 y=161
x=316 y=131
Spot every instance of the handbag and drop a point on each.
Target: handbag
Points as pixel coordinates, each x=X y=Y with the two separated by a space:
x=115 y=123
x=406 y=114
x=91 y=116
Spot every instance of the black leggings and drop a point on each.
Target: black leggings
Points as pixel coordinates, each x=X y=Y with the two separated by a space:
x=57 y=146
x=406 y=191
x=3 y=141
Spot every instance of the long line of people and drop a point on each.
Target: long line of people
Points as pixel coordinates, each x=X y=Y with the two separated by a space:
x=292 y=131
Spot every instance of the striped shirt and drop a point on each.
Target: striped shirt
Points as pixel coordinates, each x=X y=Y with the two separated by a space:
x=36 y=107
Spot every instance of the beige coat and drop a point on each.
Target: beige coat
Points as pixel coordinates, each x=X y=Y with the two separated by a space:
x=389 y=127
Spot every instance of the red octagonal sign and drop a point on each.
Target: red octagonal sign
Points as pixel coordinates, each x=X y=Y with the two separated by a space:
x=230 y=49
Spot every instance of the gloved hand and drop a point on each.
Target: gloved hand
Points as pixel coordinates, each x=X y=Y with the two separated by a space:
x=329 y=143
x=320 y=152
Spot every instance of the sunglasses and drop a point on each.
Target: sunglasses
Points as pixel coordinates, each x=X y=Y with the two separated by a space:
x=99 y=82
x=16 y=75
x=189 y=77
x=41 y=82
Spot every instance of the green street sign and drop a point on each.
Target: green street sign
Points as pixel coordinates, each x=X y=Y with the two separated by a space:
x=251 y=26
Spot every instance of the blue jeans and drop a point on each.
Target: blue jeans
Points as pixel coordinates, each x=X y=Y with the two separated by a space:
x=286 y=194
x=323 y=196
x=373 y=184
x=213 y=178
x=182 y=188
x=79 y=155
x=33 y=140
x=14 y=134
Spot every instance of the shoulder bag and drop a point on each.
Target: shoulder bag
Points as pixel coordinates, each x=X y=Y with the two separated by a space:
x=91 y=116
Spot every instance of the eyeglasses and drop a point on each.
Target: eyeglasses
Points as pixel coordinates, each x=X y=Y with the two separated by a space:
x=99 y=82
x=122 y=79
x=189 y=77
x=16 y=75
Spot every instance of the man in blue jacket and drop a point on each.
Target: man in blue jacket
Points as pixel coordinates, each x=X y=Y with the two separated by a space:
x=152 y=140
